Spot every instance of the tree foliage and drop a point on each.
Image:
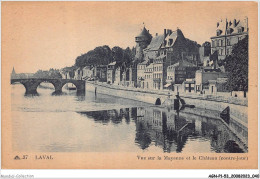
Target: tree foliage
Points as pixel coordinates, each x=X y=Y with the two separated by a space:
x=103 y=55
x=236 y=65
x=52 y=73
x=206 y=44
x=68 y=69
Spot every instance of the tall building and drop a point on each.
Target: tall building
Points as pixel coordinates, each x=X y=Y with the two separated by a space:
x=179 y=72
x=169 y=48
x=204 y=52
x=148 y=82
x=111 y=72
x=228 y=33
x=141 y=72
x=176 y=47
x=142 y=41
x=133 y=74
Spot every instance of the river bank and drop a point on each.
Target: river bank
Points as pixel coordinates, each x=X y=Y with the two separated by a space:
x=238 y=107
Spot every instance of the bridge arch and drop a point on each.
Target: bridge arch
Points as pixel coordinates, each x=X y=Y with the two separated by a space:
x=80 y=85
x=32 y=84
x=48 y=82
x=67 y=82
x=21 y=84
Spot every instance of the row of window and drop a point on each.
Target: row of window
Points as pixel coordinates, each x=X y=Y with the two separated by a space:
x=222 y=51
x=171 y=68
x=148 y=70
x=141 y=67
x=230 y=30
x=229 y=51
x=148 y=76
x=158 y=61
x=157 y=75
x=158 y=68
x=220 y=42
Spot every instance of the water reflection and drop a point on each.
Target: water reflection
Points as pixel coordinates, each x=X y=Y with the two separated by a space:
x=173 y=131
x=106 y=116
x=103 y=123
x=31 y=95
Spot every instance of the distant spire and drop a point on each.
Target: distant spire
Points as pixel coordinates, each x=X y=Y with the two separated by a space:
x=13 y=71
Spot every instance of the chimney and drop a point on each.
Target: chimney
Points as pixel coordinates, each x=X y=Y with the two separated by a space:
x=168 y=31
x=246 y=23
x=165 y=33
x=235 y=22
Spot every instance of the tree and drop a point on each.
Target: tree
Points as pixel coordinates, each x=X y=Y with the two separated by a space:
x=206 y=44
x=236 y=65
x=118 y=55
x=103 y=55
x=52 y=73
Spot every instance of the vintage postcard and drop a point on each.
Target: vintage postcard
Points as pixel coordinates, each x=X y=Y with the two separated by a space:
x=129 y=85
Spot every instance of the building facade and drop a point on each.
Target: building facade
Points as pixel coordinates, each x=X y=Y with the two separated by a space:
x=141 y=73
x=78 y=74
x=118 y=75
x=88 y=72
x=228 y=33
x=133 y=75
x=111 y=72
x=179 y=73
x=159 y=72
x=100 y=73
x=148 y=73
x=167 y=49
x=204 y=76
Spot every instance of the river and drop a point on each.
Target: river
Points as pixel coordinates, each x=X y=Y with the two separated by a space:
x=103 y=123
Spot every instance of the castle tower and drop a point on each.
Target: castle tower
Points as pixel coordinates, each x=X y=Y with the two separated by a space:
x=142 y=41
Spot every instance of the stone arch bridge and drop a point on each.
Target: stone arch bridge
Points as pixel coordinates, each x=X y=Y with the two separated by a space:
x=31 y=84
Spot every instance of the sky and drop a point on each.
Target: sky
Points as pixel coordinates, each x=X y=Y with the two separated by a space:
x=43 y=35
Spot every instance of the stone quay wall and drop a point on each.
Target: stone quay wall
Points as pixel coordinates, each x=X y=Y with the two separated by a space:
x=238 y=107
x=237 y=112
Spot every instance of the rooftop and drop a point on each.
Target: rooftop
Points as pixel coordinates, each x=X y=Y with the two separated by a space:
x=173 y=37
x=145 y=34
x=232 y=27
x=156 y=43
x=183 y=63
